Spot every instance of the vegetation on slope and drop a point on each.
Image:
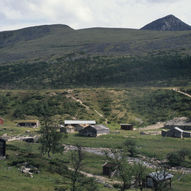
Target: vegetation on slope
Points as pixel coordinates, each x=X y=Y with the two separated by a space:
x=155 y=70
x=138 y=106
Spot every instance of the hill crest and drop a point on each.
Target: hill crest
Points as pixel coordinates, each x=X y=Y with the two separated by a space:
x=167 y=23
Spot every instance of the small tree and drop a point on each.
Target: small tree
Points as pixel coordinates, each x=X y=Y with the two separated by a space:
x=50 y=139
x=140 y=175
x=130 y=145
x=161 y=185
x=76 y=158
x=124 y=170
x=176 y=158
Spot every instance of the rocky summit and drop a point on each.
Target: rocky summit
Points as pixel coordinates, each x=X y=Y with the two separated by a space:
x=168 y=23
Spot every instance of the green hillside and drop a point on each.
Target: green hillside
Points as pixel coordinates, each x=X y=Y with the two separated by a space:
x=57 y=56
x=71 y=71
x=140 y=106
x=58 y=40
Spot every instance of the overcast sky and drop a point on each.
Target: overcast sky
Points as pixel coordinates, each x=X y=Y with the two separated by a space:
x=16 y=14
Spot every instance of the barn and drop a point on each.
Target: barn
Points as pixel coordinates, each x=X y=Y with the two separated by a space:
x=94 y=130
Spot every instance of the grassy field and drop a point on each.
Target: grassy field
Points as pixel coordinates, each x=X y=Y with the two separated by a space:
x=48 y=179
x=141 y=107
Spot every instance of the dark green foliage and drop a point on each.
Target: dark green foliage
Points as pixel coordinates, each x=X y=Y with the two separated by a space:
x=177 y=158
x=50 y=139
x=130 y=146
x=155 y=70
x=36 y=104
x=161 y=105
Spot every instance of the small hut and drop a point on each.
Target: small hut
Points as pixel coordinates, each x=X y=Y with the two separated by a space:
x=2 y=147
x=94 y=131
x=126 y=126
x=28 y=123
x=1 y=121
x=109 y=169
x=155 y=178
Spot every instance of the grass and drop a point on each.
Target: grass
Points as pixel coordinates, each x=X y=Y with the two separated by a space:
x=105 y=41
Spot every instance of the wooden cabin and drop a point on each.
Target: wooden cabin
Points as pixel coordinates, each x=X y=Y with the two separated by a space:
x=2 y=147
x=126 y=126
x=94 y=131
x=28 y=123
x=155 y=178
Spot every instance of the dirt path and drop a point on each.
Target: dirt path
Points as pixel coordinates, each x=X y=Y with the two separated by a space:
x=84 y=105
x=154 y=126
x=181 y=92
x=100 y=179
x=148 y=162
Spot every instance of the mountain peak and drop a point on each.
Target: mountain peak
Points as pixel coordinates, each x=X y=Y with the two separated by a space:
x=167 y=23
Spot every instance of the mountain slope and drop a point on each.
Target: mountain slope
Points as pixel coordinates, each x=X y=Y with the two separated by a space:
x=58 y=42
x=168 y=23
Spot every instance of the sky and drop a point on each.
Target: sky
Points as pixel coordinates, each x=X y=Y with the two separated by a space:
x=15 y=14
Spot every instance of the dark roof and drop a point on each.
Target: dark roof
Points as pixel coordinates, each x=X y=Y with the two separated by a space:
x=109 y=164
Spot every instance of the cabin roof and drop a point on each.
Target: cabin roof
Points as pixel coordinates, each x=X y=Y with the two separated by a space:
x=27 y=121
x=75 y=122
x=178 y=129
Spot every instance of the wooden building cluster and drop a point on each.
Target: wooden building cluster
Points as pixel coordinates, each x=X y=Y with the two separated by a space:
x=94 y=130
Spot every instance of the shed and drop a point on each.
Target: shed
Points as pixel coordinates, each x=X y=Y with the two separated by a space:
x=2 y=147
x=109 y=169
x=155 y=178
x=28 y=123
x=1 y=121
x=126 y=126
x=94 y=130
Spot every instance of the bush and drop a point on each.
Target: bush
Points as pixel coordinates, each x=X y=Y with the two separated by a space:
x=131 y=147
x=177 y=158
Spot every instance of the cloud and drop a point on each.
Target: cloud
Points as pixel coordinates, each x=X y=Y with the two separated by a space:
x=89 y=13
